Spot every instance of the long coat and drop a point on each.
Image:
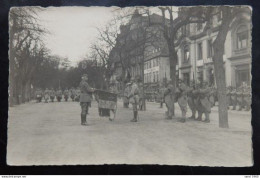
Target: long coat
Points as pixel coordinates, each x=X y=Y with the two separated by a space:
x=85 y=92
x=183 y=98
x=205 y=103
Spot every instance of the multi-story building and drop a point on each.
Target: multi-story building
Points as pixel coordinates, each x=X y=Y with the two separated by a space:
x=141 y=50
x=195 y=51
x=194 y=47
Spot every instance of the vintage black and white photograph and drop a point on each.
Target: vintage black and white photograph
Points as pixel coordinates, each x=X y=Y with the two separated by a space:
x=160 y=85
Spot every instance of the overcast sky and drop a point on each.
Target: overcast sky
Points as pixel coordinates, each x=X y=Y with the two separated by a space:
x=73 y=29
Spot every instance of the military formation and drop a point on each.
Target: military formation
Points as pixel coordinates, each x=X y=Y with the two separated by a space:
x=239 y=98
x=51 y=95
x=198 y=97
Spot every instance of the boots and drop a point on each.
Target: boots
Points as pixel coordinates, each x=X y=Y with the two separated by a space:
x=199 y=118
x=193 y=115
x=83 y=119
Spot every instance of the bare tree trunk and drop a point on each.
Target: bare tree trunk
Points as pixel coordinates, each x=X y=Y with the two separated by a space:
x=221 y=90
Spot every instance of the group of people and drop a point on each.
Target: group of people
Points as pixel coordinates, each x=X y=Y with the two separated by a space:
x=50 y=95
x=240 y=97
x=199 y=97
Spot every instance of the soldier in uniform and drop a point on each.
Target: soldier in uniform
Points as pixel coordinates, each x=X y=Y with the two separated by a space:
x=233 y=95
x=72 y=94
x=169 y=100
x=85 y=98
x=59 y=95
x=125 y=97
x=161 y=93
x=212 y=96
x=240 y=98
x=134 y=97
x=38 y=94
x=141 y=97
x=191 y=99
x=52 y=94
x=228 y=96
x=181 y=94
x=66 y=94
x=247 y=98
x=204 y=101
x=197 y=103
x=46 y=95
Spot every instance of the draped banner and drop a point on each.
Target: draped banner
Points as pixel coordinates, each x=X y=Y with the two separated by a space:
x=106 y=100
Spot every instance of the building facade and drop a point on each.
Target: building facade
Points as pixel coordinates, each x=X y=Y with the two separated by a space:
x=195 y=51
x=194 y=45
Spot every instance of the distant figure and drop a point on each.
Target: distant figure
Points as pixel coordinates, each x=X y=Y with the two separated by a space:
x=46 y=95
x=72 y=94
x=66 y=94
x=85 y=98
x=38 y=94
x=52 y=94
x=59 y=95
x=161 y=93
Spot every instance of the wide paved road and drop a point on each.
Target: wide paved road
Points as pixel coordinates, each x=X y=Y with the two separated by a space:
x=51 y=134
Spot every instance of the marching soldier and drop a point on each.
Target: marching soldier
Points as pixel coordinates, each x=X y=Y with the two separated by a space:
x=85 y=98
x=181 y=93
x=59 y=95
x=134 y=97
x=204 y=101
x=191 y=99
x=66 y=94
x=240 y=98
x=46 y=95
x=52 y=94
x=169 y=100
x=233 y=95
x=228 y=96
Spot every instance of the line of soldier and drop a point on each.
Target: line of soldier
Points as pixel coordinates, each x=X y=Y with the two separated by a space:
x=200 y=98
x=240 y=97
x=50 y=95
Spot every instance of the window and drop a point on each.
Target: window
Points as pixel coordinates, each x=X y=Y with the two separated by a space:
x=242 y=37
x=200 y=56
x=157 y=76
x=210 y=48
x=199 y=26
x=153 y=76
x=186 y=54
